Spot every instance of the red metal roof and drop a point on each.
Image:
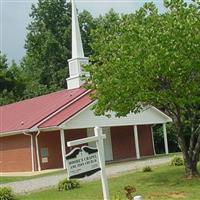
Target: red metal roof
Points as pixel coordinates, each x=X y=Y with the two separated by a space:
x=68 y=112
x=26 y=114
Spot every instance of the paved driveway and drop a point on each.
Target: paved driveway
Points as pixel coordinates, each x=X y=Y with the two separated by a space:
x=111 y=170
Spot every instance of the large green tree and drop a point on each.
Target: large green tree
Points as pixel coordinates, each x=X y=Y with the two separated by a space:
x=48 y=45
x=44 y=68
x=11 y=82
x=151 y=58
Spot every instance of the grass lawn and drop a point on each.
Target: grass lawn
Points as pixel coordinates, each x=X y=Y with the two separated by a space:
x=164 y=183
x=8 y=179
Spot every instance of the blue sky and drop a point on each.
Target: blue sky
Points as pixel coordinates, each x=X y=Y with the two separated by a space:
x=14 y=18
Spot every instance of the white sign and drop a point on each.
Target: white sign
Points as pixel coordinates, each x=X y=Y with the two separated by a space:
x=98 y=138
x=81 y=162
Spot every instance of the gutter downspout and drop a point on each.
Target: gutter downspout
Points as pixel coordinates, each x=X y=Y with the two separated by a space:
x=32 y=156
x=37 y=150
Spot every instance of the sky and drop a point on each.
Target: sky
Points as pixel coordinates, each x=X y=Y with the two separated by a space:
x=14 y=18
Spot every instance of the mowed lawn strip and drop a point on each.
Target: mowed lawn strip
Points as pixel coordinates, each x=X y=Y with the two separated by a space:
x=164 y=183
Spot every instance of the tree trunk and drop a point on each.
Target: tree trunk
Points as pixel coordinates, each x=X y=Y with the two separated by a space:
x=191 y=168
x=191 y=150
x=189 y=161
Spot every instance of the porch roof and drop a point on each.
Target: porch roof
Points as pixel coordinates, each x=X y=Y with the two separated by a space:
x=87 y=119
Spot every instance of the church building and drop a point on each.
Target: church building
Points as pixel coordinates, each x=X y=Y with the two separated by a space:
x=34 y=132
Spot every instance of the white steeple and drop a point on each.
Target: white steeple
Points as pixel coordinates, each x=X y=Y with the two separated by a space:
x=78 y=59
x=77 y=46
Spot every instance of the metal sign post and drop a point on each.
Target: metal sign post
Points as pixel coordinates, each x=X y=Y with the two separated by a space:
x=98 y=138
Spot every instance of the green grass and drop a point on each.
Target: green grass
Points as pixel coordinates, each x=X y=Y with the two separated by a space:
x=164 y=183
x=8 y=179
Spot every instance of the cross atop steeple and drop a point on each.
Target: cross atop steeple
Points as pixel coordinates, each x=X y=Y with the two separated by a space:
x=78 y=59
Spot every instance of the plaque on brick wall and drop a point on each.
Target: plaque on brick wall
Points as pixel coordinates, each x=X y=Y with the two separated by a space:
x=81 y=162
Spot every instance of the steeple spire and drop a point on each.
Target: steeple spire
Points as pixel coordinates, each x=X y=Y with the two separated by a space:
x=77 y=46
x=78 y=59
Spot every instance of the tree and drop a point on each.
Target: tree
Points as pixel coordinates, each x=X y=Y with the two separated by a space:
x=44 y=68
x=148 y=58
x=11 y=82
x=48 y=46
x=87 y=24
x=5 y=78
x=171 y=138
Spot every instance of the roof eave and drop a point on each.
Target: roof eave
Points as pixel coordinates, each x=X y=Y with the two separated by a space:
x=10 y=133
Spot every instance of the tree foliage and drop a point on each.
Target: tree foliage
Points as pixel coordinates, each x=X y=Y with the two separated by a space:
x=148 y=58
x=87 y=24
x=11 y=82
x=48 y=45
x=44 y=68
x=171 y=138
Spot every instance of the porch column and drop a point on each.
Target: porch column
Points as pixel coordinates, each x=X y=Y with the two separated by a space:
x=62 y=139
x=165 y=138
x=153 y=143
x=137 y=147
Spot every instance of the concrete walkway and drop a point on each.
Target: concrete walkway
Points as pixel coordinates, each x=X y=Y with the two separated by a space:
x=111 y=170
x=24 y=174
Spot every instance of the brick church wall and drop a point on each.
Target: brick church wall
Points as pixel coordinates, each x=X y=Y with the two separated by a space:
x=15 y=153
x=50 y=141
x=145 y=140
x=123 y=142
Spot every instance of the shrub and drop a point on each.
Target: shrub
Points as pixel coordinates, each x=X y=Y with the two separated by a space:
x=68 y=185
x=147 y=169
x=129 y=191
x=177 y=161
x=6 y=193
